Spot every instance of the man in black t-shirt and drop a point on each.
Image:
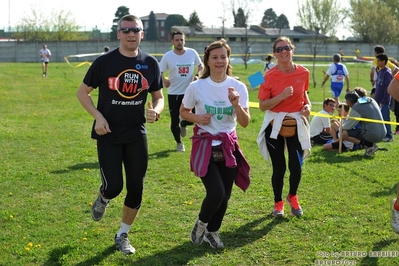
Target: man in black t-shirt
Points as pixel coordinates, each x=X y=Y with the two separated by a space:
x=124 y=77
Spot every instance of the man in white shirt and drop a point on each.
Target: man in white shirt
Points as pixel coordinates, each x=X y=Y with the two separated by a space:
x=181 y=63
x=320 y=126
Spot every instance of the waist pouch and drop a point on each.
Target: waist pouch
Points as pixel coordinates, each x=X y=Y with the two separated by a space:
x=288 y=127
x=217 y=153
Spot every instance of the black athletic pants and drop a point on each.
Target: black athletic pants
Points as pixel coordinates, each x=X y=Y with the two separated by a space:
x=218 y=183
x=134 y=157
x=276 y=150
x=174 y=102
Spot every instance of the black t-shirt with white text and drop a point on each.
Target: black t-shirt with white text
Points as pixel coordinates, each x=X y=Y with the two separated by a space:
x=123 y=84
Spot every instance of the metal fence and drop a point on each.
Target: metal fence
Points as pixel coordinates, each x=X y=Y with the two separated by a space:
x=29 y=51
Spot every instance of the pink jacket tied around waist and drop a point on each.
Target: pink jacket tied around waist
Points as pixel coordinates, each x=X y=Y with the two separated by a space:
x=202 y=149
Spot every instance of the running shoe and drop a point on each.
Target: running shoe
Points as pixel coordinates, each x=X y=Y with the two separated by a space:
x=296 y=209
x=197 y=234
x=395 y=217
x=98 y=208
x=278 y=209
x=213 y=239
x=122 y=244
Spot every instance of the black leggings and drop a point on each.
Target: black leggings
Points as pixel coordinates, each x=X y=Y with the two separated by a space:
x=174 y=102
x=275 y=148
x=218 y=183
x=134 y=157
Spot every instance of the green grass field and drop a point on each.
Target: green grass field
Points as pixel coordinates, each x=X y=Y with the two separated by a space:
x=49 y=177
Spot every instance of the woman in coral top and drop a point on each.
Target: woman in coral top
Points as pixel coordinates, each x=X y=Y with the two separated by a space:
x=284 y=93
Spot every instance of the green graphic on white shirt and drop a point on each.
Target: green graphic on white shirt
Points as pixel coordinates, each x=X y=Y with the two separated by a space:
x=220 y=112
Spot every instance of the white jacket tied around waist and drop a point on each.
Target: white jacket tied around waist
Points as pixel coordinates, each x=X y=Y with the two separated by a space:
x=303 y=130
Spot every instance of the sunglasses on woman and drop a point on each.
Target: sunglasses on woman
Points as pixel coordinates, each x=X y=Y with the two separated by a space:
x=280 y=49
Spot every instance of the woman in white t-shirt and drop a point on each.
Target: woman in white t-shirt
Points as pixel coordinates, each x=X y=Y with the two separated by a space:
x=220 y=101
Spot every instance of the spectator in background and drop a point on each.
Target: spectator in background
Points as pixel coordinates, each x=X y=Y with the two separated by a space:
x=320 y=125
x=249 y=52
x=181 y=64
x=269 y=63
x=45 y=55
x=339 y=74
x=382 y=97
x=360 y=91
x=367 y=133
x=343 y=110
x=341 y=52
x=357 y=52
x=378 y=49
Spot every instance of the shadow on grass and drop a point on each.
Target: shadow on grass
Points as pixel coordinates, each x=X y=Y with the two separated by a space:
x=186 y=252
x=387 y=191
x=75 y=167
x=56 y=256
x=371 y=261
x=332 y=157
x=160 y=154
x=94 y=165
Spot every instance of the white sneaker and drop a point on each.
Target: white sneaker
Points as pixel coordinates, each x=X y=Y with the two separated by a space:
x=197 y=234
x=122 y=243
x=180 y=147
x=395 y=218
x=213 y=239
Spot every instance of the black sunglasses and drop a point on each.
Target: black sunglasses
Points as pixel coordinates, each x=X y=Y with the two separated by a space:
x=127 y=30
x=280 y=49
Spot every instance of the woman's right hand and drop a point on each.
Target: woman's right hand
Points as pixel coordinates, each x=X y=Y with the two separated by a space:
x=204 y=119
x=287 y=92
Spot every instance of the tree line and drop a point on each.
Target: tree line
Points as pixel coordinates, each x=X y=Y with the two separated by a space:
x=370 y=21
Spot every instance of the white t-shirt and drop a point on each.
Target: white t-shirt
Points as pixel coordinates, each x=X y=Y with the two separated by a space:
x=318 y=123
x=208 y=97
x=45 y=55
x=181 y=69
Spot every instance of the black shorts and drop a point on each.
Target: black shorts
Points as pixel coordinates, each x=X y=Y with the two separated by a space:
x=322 y=138
x=335 y=146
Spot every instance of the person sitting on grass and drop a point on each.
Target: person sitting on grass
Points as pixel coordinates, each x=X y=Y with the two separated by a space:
x=320 y=125
x=332 y=145
x=362 y=132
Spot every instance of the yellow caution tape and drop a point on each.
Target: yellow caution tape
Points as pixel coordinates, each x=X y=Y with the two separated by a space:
x=256 y=105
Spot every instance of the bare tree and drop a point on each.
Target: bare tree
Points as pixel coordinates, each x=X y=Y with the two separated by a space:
x=58 y=26
x=241 y=17
x=320 y=18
